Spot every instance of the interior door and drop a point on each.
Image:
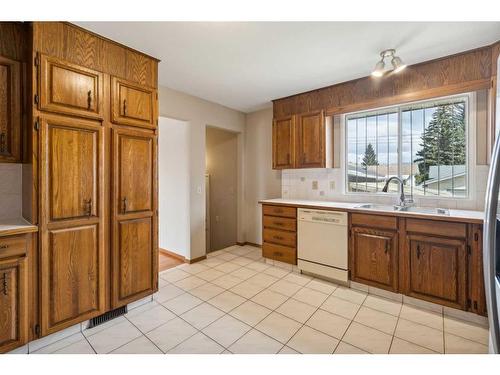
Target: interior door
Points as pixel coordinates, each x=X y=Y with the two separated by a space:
x=283 y=142
x=311 y=140
x=10 y=110
x=135 y=248
x=13 y=304
x=70 y=89
x=132 y=104
x=437 y=269
x=72 y=240
x=375 y=257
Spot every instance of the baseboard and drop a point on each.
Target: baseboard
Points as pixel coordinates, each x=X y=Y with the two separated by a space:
x=172 y=254
x=248 y=243
x=199 y=259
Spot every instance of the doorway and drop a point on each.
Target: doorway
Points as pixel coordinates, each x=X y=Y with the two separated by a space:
x=222 y=188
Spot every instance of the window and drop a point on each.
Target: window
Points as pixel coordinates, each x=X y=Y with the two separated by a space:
x=423 y=143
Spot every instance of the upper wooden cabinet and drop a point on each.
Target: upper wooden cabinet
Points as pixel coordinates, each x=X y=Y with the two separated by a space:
x=133 y=104
x=69 y=89
x=10 y=110
x=284 y=143
x=310 y=140
x=302 y=141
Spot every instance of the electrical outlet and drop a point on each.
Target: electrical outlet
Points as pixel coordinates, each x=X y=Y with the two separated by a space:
x=332 y=185
x=315 y=185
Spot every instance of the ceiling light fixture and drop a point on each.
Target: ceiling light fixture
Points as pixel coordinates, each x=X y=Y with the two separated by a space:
x=397 y=64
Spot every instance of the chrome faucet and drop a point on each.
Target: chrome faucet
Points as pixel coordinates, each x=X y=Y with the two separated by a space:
x=403 y=202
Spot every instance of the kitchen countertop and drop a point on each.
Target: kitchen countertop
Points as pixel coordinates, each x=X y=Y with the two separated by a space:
x=467 y=216
x=16 y=226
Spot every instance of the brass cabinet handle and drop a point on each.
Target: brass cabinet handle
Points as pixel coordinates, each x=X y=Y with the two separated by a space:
x=124 y=205
x=88 y=207
x=4 y=282
x=418 y=251
x=89 y=99
x=3 y=142
x=124 y=107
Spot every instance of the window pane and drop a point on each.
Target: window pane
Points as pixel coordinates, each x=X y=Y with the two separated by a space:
x=426 y=147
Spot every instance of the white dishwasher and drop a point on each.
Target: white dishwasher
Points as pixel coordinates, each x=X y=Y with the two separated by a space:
x=322 y=243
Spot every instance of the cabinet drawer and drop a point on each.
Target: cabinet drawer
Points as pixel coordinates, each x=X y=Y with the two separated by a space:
x=70 y=89
x=374 y=221
x=13 y=246
x=280 y=253
x=280 y=237
x=282 y=211
x=282 y=223
x=132 y=104
x=438 y=228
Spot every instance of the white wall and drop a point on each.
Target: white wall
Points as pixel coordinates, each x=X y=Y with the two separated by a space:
x=173 y=176
x=199 y=113
x=261 y=181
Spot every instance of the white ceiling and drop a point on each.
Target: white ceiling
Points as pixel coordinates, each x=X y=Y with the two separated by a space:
x=244 y=65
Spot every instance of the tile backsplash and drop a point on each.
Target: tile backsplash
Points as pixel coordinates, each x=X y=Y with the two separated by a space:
x=327 y=184
x=10 y=190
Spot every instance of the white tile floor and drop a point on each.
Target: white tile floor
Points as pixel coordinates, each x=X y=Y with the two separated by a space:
x=235 y=302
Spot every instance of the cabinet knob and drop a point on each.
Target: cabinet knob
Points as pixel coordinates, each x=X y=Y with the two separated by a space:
x=418 y=251
x=3 y=143
x=88 y=207
x=4 y=284
x=124 y=107
x=89 y=99
x=124 y=205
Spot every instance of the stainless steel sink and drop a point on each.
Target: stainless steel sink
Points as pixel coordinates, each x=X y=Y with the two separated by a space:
x=422 y=210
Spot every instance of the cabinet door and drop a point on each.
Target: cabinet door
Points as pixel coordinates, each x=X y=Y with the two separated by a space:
x=70 y=163
x=477 y=294
x=310 y=150
x=10 y=110
x=283 y=143
x=71 y=222
x=133 y=104
x=70 y=89
x=374 y=256
x=135 y=222
x=437 y=270
x=13 y=304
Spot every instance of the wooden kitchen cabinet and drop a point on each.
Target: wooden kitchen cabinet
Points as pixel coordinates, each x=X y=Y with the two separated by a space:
x=434 y=266
x=14 y=317
x=279 y=233
x=133 y=104
x=10 y=110
x=284 y=143
x=302 y=141
x=69 y=88
x=134 y=218
x=374 y=256
x=310 y=140
x=72 y=259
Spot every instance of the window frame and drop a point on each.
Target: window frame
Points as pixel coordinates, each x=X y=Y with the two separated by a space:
x=468 y=99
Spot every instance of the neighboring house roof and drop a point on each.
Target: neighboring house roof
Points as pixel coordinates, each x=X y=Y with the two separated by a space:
x=444 y=172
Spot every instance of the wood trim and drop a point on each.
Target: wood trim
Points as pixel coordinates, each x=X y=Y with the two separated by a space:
x=195 y=260
x=23 y=230
x=172 y=254
x=467 y=71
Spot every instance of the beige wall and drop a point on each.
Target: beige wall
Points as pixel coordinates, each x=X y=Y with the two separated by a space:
x=10 y=190
x=261 y=181
x=222 y=167
x=199 y=114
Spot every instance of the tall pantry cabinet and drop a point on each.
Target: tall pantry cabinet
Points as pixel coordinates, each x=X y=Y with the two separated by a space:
x=89 y=148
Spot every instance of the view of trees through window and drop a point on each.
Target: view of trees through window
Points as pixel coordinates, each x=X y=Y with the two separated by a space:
x=425 y=144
